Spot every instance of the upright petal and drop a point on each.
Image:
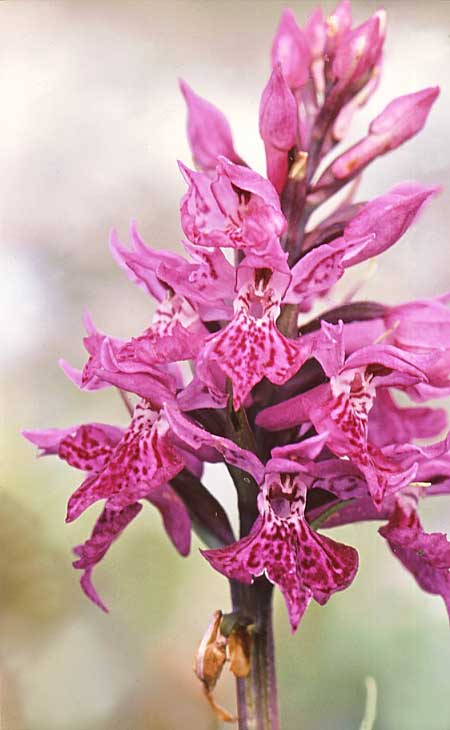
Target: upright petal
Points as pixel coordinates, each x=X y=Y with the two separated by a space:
x=124 y=367
x=238 y=209
x=141 y=262
x=48 y=439
x=384 y=220
x=175 y=334
x=290 y=49
x=356 y=55
x=278 y=126
x=209 y=133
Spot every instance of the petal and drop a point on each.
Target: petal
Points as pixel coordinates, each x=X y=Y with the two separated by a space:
x=383 y=221
x=357 y=53
x=290 y=49
x=315 y=273
x=249 y=349
x=90 y=447
x=303 y=451
x=126 y=369
x=420 y=325
x=48 y=439
x=141 y=262
x=174 y=515
x=258 y=553
x=208 y=131
x=208 y=283
x=389 y=423
x=327 y=566
x=278 y=125
x=301 y=563
x=107 y=529
x=425 y=555
x=144 y=458
x=238 y=209
x=403 y=118
x=293 y=411
x=196 y=437
x=175 y=334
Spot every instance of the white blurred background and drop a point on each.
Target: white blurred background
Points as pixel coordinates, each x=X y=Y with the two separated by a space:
x=92 y=124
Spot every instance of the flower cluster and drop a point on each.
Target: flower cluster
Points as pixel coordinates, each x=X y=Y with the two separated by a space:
x=303 y=409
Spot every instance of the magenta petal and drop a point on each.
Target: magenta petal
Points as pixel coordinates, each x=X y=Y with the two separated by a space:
x=252 y=556
x=237 y=209
x=90 y=448
x=48 y=439
x=420 y=325
x=290 y=49
x=208 y=282
x=196 y=438
x=107 y=529
x=278 y=125
x=74 y=374
x=176 y=334
x=293 y=411
x=405 y=116
x=357 y=53
x=248 y=350
x=303 y=564
x=383 y=221
x=121 y=366
x=303 y=451
x=174 y=515
x=145 y=457
x=316 y=273
x=208 y=131
x=425 y=555
x=93 y=344
x=399 y=121
x=141 y=262
x=390 y=423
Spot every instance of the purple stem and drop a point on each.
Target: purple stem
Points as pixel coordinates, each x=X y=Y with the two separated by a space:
x=257 y=694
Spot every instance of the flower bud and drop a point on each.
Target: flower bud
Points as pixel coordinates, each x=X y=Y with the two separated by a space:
x=208 y=131
x=291 y=50
x=402 y=119
x=278 y=124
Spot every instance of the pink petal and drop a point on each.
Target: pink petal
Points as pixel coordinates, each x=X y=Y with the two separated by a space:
x=425 y=555
x=290 y=49
x=278 y=126
x=141 y=262
x=107 y=529
x=196 y=438
x=402 y=119
x=48 y=439
x=389 y=423
x=247 y=350
x=174 y=515
x=208 y=131
x=145 y=457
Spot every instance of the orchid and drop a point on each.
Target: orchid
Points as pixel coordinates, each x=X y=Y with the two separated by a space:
x=307 y=407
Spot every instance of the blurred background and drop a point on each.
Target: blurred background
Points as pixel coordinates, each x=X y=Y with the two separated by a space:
x=92 y=124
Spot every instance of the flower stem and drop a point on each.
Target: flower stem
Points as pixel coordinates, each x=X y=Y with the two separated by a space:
x=257 y=693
